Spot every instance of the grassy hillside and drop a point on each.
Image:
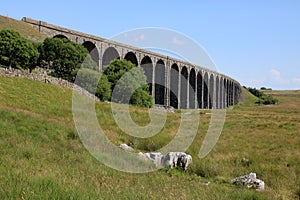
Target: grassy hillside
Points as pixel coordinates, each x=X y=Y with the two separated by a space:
x=23 y=28
x=41 y=156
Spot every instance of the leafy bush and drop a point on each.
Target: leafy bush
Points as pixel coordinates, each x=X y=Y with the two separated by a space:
x=267 y=100
x=142 y=98
x=89 y=63
x=87 y=79
x=128 y=83
x=103 y=91
x=263 y=98
x=116 y=69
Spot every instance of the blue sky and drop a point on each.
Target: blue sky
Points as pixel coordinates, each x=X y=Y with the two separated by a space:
x=254 y=42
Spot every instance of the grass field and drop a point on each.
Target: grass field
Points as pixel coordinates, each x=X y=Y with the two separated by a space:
x=23 y=28
x=41 y=156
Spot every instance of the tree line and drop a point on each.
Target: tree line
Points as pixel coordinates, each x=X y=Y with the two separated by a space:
x=66 y=59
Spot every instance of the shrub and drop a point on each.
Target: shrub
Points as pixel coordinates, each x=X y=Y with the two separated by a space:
x=87 y=79
x=128 y=83
x=267 y=99
x=263 y=98
x=103 y=91
x=142 y=98
x=116 y=69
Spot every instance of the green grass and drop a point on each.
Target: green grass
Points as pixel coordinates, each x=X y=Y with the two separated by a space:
x=24 y=29
x=41 y=156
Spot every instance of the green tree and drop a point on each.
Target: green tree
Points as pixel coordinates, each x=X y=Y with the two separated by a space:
x=116 y=69
x=17 y=51
x=63 y=56
x=89 y=63
x=142 y=98
x=129 y=83
x=33 y=61
x=103 y=91
x=89 y=80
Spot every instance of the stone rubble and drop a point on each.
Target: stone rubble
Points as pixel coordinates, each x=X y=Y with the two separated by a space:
x=164 y=108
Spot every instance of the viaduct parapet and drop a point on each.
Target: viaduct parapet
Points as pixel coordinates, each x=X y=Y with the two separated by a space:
x=172 y=82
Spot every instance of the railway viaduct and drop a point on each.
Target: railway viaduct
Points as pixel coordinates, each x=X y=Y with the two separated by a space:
x=172 y=82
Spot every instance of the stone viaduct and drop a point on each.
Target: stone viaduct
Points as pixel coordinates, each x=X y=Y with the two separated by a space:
x=172 y=82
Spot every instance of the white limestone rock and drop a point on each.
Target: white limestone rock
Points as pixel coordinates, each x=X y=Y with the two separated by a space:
x=126 y=147
x=249 y=181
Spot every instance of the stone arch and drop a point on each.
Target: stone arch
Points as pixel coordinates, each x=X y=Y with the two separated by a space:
x=228 y=93
x=130 y=56
x=217 y=92
x=221 y=85
x=199 y=90
x=93 y=51
x=60 y=36
x=206 y=92
x=237 y=92
x=225 y=92
x=160 y=82
x=147 y=65
x=212 y=97
x=231 y=93
x=184 y=88
x=109 y=55
x=192 y=89
x=174 y=89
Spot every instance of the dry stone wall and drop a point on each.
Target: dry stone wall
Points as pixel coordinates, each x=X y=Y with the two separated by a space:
x=40 y=76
